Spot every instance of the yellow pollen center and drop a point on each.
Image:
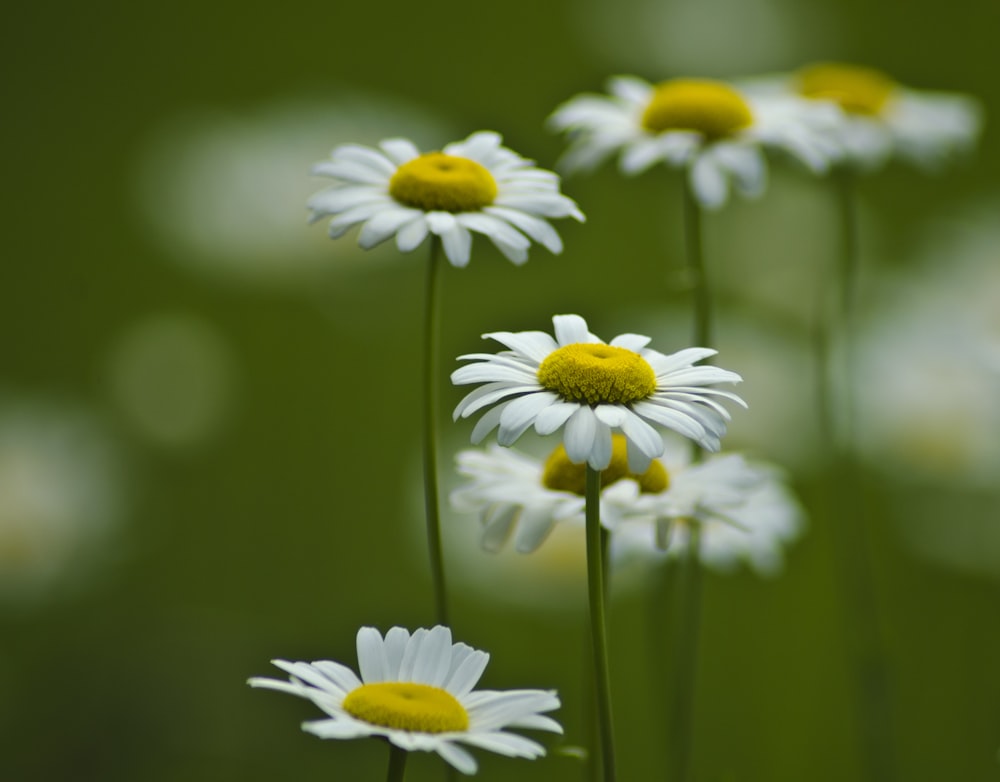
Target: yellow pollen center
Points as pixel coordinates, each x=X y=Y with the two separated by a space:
x=440 y=182
x=708 y=107
x=858 y=90
x=420 y=708
x=560 y=474
x=597 y=374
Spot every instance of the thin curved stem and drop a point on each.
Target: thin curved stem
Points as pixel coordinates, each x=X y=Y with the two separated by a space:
x=397 y=763
x=431 y=499
x=702 y=301
x=687 y=624
x=596 y=594
x=848 y=519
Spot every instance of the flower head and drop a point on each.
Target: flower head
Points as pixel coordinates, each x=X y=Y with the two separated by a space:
x=589 y=388
x=475 y=185
x=742 y=509
x=881 y=118
x=417 y=692
x=710 y=128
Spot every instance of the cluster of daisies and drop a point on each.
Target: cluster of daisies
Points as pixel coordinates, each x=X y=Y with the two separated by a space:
x=621 y=409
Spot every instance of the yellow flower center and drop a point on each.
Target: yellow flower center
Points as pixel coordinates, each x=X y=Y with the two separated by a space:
x=708 y=107
x=420 y=708
x=858 y=90
x=440 y=182
x=597 y=374
x=560 y=474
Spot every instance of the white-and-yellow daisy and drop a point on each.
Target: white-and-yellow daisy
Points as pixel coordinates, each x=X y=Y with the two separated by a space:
x=587 y=388
x=881 y=118
x=743 y=510
x=475 y=185
x=417 y=692
x=710 y=128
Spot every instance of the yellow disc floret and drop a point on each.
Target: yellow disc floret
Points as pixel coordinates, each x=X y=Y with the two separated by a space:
x=420 y=708
x=440 y=182
x=711 y=108
x=595 y=373
x=560 y=474
x=857 y=89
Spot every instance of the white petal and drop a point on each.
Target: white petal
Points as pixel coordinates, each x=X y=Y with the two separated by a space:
x=371 y=655
x=468 y=673
x=394 y=645
x=457 y=757
x=708 y=182
x=457 y=241
x=520 y=414
x=412 y=234
x=384 y=225
x=535 y=227
x=578 y=436
x=536 y=345
x=400 y=150
x=571 y=329
x=553 y=417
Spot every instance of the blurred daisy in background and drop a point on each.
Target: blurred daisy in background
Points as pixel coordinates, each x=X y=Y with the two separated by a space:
x=929 y=357
x=709 y=128
x=172 y=376
x=417 y=691
x=475 y=185
x=61 y=496
x=222 y=191
x=576 y=382
x=744 y=510
x=881 y=118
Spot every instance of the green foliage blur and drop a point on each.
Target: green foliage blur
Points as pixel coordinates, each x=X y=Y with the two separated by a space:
x=285 y=512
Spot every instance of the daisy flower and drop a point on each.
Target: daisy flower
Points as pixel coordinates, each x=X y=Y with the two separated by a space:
x=417 y=692
x=710 y=128
x=588 y=388
x=475 y=185
x=743 y=509
x=883 y=119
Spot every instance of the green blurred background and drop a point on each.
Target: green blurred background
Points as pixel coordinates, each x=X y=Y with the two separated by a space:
x=212 y=411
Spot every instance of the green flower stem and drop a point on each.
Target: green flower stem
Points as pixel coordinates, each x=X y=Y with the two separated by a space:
x=688 y=577
x=431 y=500
x=397 y=763
x=848 y=520
x=702 y=336
x=687 y=625
x=596 y=545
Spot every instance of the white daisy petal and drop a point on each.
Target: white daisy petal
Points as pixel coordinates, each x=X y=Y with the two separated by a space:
x=384 y=225
x=372 y=662
x=399 y=150
x=708 y=182
x=411 y=235
x=581 y=429
x=457 y=757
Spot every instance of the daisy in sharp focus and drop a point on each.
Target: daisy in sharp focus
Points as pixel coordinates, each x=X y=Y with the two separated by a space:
x=417 y=692
x=576 y=382
x=475 y=185
x=881 y=118
x=711 y=129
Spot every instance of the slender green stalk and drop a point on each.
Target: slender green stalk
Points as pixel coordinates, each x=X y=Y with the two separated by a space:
x=845 y=505
x=702 y=300
x=686 y=586
x=596 y=593
x=687 y=605
x=431 y=500
x=397 y=763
